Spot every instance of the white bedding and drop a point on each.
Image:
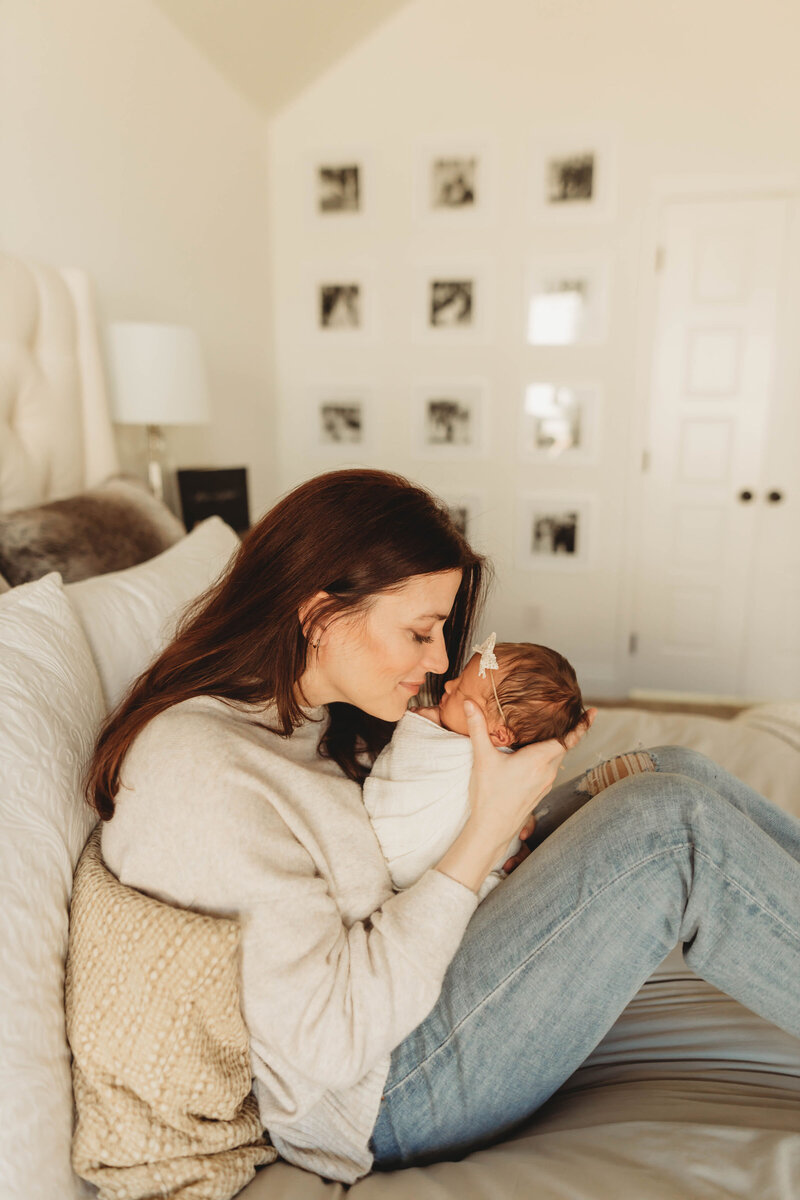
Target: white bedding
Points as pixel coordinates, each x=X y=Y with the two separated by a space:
x=760 y=746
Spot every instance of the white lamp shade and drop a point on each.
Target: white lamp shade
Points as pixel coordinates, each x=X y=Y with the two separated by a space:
x=158 y=375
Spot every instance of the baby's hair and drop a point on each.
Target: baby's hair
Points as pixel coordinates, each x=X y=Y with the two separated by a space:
x=539 y=693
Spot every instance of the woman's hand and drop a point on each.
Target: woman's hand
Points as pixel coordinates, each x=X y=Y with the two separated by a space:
x=505 y=788
x=572 y=740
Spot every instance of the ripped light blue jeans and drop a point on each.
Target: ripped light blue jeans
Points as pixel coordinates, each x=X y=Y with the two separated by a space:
x=681 y=853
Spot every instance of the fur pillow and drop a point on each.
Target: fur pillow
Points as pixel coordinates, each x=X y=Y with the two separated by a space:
x=109 y=527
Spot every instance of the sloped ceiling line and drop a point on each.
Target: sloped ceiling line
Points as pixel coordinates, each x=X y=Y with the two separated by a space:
x=271 y=50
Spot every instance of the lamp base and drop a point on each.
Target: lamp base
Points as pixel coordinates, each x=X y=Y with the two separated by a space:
x=155 y=455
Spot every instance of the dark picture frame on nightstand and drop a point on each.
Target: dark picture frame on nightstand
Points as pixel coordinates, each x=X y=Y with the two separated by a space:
x=214 y=491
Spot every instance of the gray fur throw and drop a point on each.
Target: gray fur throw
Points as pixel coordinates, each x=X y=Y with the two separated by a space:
x=109 y=527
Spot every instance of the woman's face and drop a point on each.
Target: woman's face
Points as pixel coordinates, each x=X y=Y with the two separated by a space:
x=378 y=660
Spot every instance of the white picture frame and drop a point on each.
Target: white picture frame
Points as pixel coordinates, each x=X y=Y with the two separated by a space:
x=342 y=302
x=339 y=187
x=554 y=531
x=567 y=299
x=341 y=420
x=454 y=181
x=450 y=419
x=573 y=175
x=452 y=302
x=559 y=421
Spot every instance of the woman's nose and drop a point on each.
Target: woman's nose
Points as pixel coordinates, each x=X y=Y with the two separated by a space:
x=436 y=659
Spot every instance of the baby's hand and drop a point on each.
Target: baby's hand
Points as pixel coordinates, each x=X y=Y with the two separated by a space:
x=511 y=864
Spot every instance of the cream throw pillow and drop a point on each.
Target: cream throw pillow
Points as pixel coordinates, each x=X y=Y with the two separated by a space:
x=128 y=616
x=51 y=705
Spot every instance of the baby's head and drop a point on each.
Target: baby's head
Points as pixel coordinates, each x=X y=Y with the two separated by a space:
x=537 y=689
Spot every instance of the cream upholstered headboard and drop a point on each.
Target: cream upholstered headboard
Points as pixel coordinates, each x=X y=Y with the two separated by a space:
x=56 y=437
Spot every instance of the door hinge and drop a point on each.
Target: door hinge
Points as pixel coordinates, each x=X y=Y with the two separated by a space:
x=633 y=643
x=645 y=461
x=660 y=256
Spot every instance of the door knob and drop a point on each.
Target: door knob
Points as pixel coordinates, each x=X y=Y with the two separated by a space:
x=774 y=497
x=745 y=496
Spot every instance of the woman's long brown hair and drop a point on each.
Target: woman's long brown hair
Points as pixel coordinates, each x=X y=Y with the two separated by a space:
x=350 y=533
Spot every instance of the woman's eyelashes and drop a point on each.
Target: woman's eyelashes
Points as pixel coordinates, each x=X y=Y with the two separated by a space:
x=418 y=637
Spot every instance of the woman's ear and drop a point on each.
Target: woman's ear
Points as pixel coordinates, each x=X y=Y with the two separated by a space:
x=305 y=611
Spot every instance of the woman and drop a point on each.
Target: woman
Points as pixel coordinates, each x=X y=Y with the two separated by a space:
x=390 y=1029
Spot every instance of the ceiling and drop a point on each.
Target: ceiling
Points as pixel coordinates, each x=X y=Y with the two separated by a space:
x=272 y=49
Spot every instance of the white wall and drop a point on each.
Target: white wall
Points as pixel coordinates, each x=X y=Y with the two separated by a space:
x=124 y=152
x=692 y=88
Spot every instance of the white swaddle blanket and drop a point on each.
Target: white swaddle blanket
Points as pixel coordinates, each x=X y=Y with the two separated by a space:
x=417 y=797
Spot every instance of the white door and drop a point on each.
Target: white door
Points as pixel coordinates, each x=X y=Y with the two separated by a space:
x=711 y=390
x=772 y=662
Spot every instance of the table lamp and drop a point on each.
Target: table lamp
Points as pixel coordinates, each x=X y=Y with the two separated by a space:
x=158 y=377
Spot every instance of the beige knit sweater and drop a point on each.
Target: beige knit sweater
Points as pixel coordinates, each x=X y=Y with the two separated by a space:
x=220 y=815
x=161 y=1069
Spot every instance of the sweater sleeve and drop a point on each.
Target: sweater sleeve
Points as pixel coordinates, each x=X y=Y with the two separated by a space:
x=334 y=999
x=322 y=997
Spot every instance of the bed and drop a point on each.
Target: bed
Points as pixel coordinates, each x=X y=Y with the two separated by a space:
x=689 y=1095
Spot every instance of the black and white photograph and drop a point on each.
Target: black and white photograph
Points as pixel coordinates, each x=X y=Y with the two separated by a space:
x=567 y=300
x=338 y=418
x=454 y=182
x=341 y=422
x=570 y=179
x=553 y=531
x=573 y=176
x=341 y=299
x=459 y=514
x=340 y=306
x=451 y=303
x=450 y=420
x=465 y=509
x=560 y=422
x=339 y=188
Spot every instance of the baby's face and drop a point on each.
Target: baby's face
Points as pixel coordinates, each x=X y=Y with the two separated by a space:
x=468 y=686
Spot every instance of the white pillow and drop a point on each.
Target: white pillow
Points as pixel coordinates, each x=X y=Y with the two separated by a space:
x=51 y=706
x=129 y=616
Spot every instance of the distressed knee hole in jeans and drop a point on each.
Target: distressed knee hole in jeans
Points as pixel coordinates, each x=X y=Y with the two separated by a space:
x=602 y=776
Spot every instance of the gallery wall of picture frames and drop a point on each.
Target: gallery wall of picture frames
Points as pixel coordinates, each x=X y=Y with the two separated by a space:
x=571 y=182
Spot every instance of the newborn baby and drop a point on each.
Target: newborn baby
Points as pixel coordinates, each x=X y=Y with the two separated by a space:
x=417 y=794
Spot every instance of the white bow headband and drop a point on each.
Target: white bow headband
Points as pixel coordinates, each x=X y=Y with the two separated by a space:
x=488 y=660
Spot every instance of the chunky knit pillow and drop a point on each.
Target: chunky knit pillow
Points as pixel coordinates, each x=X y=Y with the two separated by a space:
x=109 y=527
x=161 y=1058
